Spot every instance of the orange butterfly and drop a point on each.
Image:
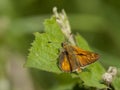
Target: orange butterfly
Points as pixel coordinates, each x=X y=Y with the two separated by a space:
x=73 y=58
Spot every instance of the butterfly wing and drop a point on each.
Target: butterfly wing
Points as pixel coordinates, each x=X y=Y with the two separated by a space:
x=74 y=63
x=85 y=57
x=64 y=63
x=73 y=58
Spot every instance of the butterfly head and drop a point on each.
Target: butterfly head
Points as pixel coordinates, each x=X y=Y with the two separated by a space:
x=64 y=44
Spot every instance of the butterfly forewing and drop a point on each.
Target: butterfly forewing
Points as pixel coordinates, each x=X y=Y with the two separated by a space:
x=64 y=63
x=85 y=57
x=75 y=65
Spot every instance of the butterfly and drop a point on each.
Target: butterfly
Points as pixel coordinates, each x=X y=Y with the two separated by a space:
x=73 y=58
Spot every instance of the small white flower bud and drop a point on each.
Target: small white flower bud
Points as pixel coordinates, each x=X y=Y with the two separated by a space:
x=112 y=70
x=107 y=77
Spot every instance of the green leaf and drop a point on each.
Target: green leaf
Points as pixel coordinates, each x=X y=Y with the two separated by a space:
x=66 y=82
x=81 y=42
x=45 y=48
x=116 y=81
x=93 y=75
x=63 y=87
x=45 y=51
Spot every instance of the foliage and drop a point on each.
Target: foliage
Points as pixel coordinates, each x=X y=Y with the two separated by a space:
x=98 y=21
x=45 y=50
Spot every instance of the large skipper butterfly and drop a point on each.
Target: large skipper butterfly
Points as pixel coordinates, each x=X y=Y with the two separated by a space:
x=73 y=58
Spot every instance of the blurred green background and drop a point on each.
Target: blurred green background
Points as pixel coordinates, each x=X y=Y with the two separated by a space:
x=98 y=21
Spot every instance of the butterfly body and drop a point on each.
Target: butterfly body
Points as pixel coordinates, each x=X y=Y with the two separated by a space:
x=73 y=58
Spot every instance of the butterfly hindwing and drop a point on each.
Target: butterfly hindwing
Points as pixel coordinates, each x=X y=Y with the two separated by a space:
x=64 y=63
